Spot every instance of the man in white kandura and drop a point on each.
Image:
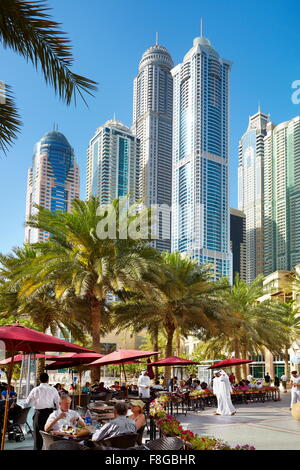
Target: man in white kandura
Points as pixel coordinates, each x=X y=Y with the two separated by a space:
x=295 y=391
x=144 y=385
x=222 y=389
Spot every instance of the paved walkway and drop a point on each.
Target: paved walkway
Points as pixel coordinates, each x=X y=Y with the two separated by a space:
x=266 y=426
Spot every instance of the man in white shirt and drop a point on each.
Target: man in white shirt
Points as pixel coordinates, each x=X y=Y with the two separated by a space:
x=144 y=383
x=295 y=391
x=44 y=399
x=63 y=416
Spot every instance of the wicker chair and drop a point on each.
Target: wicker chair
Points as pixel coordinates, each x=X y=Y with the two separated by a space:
x=140 y=433
x=49 y=439
x=165 y=443
x=66 y=445
x=122 y=441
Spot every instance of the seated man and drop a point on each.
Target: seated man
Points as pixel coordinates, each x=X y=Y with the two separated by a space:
x=63 y=416
x=157 y=386
x=119 y=425
x=95 y=386
x=116 y=386
x=12 y=393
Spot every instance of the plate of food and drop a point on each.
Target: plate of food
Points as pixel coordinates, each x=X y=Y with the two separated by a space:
x=68 y=429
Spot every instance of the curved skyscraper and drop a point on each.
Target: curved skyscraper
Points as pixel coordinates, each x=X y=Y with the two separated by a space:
x=152 y=124
x=200 y=209
x=53 y=180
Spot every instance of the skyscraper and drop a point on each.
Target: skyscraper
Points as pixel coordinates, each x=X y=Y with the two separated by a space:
x=251 y=191
x=53 y=180
x=152 y=124
x=200 y=208
x=113 y=163
x=282 y=196
x=238 y=243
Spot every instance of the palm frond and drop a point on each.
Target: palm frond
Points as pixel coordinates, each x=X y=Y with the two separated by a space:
x=27 y=28
x=10 y=122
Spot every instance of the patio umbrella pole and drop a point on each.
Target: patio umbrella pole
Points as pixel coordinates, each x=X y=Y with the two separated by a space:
x=80 y=377
x=10 y=371
x=21 y=375
x=126 y=393
x=124 y=372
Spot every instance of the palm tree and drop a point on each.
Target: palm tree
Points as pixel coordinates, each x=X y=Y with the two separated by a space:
x=185 y=301
x=96 y=268
x=252 y=325
x=291 y=319
x=42 y=309
x=28 y=29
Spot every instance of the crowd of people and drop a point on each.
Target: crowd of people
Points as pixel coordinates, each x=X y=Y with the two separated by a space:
x=52 y=413
x=52 y=403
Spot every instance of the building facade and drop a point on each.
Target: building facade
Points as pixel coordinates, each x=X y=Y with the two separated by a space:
x=152 y=124
x=53 y=180
x=238 y=243
x=113 y=163
x=282 y=196
x=200 y=205
x=279 y=287
x=251 y=191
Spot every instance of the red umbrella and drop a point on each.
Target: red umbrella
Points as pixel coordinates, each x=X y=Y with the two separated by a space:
x=121 y=356
x=21 y=338
x=229 y=363
x=173 y=361
x=18 y=358
x=73 y=360
x=60 y=357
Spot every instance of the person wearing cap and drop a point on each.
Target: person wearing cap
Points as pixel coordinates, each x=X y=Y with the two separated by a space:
x=138 y=416
x=222 y=389
x=144 y=383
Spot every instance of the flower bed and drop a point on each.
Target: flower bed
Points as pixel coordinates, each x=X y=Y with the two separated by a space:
x=170 y=426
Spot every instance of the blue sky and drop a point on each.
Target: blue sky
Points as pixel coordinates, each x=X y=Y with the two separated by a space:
x=108 y=38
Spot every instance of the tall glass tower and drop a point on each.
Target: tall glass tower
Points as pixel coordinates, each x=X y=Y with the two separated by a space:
x=113 y=163
x=152 y=124
x=200 y=208
x=282 y=196
x=251 y=191
x=53 y=180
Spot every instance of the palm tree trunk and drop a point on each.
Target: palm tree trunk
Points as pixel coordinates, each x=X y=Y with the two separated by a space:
x=237 y=355
x=96 y=315
x=286 y=362
x=177 y=343
x=245 y=367
x=170 y=329
x=40 y=369
x=154 y=340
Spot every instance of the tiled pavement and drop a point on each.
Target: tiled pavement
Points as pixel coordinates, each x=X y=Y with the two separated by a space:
x=266 y=426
